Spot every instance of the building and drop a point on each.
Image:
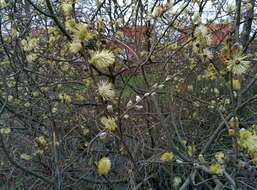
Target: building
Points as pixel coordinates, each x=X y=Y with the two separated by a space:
x=217 y=31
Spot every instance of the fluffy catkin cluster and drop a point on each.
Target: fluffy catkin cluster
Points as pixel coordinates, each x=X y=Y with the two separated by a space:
x=104 y=166
x=106 y=91
x=102 y=59
x=109 y=123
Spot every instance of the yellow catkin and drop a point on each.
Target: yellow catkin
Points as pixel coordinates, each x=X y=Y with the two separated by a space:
x=167 y=156
x=104 y=166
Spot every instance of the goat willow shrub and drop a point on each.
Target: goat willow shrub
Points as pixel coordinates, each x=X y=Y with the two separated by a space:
x=75 y=46
x=106 y=90
x=109 y=123
x=104 y=166
x=236 y=84
x=131 y=94
x=216 y=168
x=42 y=141
x=82 y=32
x=220 y=157
x=2 y=4
x=25 y=156
x=167 y=156
x=177 y=181
x=5 y=131
x=102 y=59
x=238 y=65
x=248 y=141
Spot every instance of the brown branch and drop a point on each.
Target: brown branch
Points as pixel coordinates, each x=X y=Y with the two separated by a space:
x=11 y=160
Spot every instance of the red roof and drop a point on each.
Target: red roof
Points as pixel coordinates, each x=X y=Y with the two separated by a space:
x=127 y=43
x=132 y=32
x=217 y=31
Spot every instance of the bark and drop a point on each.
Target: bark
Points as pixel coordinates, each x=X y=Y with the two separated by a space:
x=237 y=19
x=248 y=24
